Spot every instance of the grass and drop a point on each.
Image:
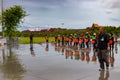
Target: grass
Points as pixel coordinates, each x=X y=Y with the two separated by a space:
x=26 y=40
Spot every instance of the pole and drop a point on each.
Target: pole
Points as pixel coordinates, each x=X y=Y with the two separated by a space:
x=2 y=8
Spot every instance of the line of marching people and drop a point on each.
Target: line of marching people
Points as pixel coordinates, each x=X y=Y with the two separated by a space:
x=82 y=40
x=75 y=40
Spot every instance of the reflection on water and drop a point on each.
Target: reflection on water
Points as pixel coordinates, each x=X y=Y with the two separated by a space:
x=116 y=48
x=75 y=53
x=94 y=56
x=47 y=47
x=78 y=54
x=11 y=67
x=104 y=75
x=85 y=54
x=112 y=59
x=32 y=50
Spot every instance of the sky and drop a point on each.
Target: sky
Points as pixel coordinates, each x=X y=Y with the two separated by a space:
x=75 y=14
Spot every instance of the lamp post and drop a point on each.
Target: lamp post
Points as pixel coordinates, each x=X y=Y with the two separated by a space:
x=2 y=10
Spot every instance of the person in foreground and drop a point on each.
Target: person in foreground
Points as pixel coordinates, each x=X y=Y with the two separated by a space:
x=103 y=48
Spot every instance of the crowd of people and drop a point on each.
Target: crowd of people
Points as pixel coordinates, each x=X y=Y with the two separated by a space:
x=102 y=43
x=82 y=40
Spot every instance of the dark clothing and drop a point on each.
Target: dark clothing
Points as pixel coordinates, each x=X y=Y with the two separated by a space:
x=62 y=40
x=31 y=38
x=87 y=44
x=102 y=41
x=102 y=45
x=103 y=56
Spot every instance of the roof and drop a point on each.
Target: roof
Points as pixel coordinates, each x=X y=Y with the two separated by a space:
x=95 y=25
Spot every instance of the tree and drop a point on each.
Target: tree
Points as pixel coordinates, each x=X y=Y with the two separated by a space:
x=12 y=18
x=0 y=18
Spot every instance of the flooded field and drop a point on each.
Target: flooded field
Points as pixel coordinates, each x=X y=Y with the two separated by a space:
x=53 y=62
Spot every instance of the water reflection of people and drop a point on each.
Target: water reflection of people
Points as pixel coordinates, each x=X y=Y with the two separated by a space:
x=82 y=56
x=87 y=57
x=116 y=48
x=71 y=54
x=77 y=57
x=47 y=47
x=55 y=46
x=104 y=76
x=32 y=50
x=62 y=50
x=3 y=55
x=66 y=54
x=94 y=56
x=112 y=59
x=58 y=48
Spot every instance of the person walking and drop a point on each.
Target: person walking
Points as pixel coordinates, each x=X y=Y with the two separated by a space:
x=94 y=41
x=87 y=39
x=31 y=38
x=111 y=41
x=47 y=39
x=103 y=47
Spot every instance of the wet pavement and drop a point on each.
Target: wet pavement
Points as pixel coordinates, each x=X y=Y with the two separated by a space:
x=51 y=62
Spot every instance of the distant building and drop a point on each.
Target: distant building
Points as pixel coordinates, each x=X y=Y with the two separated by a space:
x=95 y=25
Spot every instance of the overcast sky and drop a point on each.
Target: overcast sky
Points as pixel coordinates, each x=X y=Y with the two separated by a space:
x=73 y=13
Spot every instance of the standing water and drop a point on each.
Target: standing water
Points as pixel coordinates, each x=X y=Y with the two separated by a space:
x=53 y=62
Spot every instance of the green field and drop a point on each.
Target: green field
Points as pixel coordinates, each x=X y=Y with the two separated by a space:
x=26 y=40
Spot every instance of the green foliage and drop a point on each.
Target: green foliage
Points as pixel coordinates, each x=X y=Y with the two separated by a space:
x=108 y=29
x=12 y=18
x=25 y=34
x=95 y=30
x=117 y=31
x=67 y=32
x=81 y=31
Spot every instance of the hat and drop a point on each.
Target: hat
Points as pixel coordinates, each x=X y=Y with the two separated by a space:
x=94 y=34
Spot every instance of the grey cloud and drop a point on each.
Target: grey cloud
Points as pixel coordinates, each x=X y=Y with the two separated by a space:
x=43 y=5
x=115 y=5
x=112 y=4
x=57 y=2
x=48 y=2
x=109 y=12
x=115 y=19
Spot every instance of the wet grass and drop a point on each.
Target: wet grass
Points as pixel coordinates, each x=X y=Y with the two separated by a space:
x=36 y=40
